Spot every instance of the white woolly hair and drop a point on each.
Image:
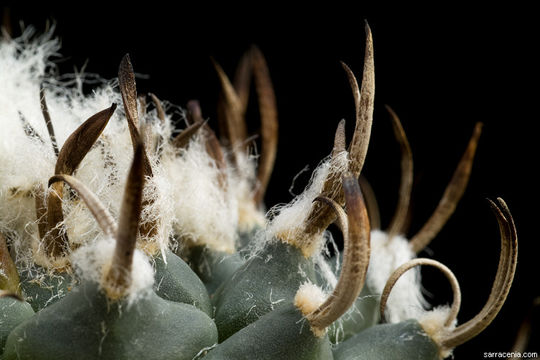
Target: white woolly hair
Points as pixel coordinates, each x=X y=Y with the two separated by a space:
x=405 y=300
x=28 y=162
x=309 y=297
x=288 y=220
x=25 y=161
x=242 y=185
x=205 y=213
x=433 y=323
x=94 y=259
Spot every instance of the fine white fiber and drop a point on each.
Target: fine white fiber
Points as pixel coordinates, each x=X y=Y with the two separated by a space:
x=28 y=159
x=242 y=185
x=288 y=221
x=325 y=271
x=25 y=159
x=205 y=213
x=405 y=300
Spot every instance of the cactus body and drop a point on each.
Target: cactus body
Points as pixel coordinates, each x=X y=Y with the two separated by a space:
x=175 y=281
x=362 y=315
x=280 y=334
x=12 y=313
x=84 y=325
x=46 y=290
x=245 y=237
x=400 y=341
x=214 y=267
x=266 y=281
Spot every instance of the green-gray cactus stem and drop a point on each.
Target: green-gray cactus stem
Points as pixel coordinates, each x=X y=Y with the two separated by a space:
x=400 y=341
x=281 y=334
x=245 y=237
x=175 y=281
x=213 y=267
x=86 y=325
x=45 y=289
x=266 y=281
x=13 y=311
x=363 y=314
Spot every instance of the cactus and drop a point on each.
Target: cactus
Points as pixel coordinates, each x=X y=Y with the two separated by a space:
x=127 y=240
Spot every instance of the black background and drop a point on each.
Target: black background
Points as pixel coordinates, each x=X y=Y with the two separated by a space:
x=441 y=69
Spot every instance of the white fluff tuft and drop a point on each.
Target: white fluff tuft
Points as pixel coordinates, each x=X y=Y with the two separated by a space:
x=289 y=220
x=92 y=261
x=309 y=298
x=405 y=300
x=205 y=213
x=433 y=324
x=242 y=185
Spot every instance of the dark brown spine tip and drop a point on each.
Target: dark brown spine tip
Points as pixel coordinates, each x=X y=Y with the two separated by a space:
x=231 y=120
x=47 y=118
x=125 y=63
x=367 y=28
x=339 y=139
x=5 y=23
x=159 y=107
x=128 y=90
x=364 y=104
x=194 y=112
x=182 y=140
x=242 y=78
x=79 y=143
x=269 y=122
